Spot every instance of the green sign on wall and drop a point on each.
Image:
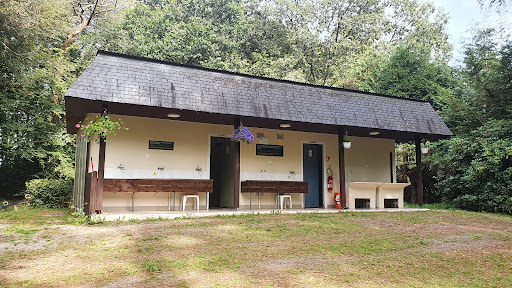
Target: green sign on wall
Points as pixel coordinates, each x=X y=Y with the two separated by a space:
x=269 y=150
x=161 y=145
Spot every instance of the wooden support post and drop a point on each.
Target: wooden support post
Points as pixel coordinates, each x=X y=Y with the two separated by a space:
x=419 y=175
x=341 y=157
x=101 y=176
x=101 y=166
x=391 y=166
x=90 y=192
x=236 y=177
x=87 y=165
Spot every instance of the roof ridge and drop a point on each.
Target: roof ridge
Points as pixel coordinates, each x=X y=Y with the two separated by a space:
x=147 y=59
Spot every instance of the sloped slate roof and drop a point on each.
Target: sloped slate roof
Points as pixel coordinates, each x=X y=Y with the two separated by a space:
x=132 y=80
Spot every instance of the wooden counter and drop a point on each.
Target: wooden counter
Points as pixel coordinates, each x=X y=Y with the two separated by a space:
x=269 y=186
x=279 y=187
x=160 y=185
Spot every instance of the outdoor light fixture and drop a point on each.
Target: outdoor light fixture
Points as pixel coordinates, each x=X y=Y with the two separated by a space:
x=285 y=125
x=173 y=115
x=374 y=133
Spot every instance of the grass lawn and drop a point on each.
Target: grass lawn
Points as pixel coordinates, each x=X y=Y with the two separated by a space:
x=445 y=248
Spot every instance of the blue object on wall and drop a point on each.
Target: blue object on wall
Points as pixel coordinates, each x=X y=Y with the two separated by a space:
x=312 y=167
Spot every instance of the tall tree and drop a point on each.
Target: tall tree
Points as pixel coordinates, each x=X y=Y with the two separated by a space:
x=475 y=167
x=34 y=74
x=329 y=38
x=411 y=72
x=488 y=69
x=88 y=12
x=315 y=41
x=227 y=34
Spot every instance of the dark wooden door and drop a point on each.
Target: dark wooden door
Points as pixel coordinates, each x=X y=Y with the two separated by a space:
x=222 y=171
x=312 y=169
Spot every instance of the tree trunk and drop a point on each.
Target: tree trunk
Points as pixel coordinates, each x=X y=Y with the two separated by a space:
x=84 y=22
x=71 y=36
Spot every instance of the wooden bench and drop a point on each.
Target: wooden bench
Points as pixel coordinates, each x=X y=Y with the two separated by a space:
x=268 y=186
x=160 y=185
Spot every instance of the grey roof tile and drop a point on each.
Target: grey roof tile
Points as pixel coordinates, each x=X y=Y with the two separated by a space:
x=126 y=79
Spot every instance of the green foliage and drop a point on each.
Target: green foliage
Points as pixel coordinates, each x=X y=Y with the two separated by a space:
x=475 y=168
x=33 y=76
x=230 y=35
x=100 y=127
x=331 y=40
x=411 y=73
x=489 y=70
x=318 y=42
x=431 y=206
x=50 y=193
x=475 y=171
x=151 y=266
x=35 y=72
x=80 y=217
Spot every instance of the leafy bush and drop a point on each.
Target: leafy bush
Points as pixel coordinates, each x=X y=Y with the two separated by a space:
x=484 y=203
x=50 y=193
x=475 y=171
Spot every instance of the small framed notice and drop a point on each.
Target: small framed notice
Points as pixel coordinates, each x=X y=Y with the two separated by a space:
x=161 y=145
x=269 y=150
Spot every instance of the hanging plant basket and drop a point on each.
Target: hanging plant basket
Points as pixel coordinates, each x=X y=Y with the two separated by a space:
x=101 y=126
x=242 y=134
x=424 y=150
x=346 y=142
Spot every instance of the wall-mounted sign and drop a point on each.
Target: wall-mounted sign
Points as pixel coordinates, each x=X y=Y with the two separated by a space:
x=269 y=150
x=161 y=145
x=263 y=140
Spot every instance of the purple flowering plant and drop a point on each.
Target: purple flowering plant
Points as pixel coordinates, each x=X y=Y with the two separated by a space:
x=242 y=134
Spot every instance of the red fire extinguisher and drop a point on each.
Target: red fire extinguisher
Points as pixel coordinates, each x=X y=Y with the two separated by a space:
x=329 y=180
x=337 y=199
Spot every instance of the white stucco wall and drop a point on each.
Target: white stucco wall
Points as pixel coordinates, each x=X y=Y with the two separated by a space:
x=368 y=159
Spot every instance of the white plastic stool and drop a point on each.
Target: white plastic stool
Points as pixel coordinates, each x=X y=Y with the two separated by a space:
x=185 y=197
x=282 y=200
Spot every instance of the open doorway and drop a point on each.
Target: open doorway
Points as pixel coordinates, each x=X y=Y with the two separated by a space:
x=222 y=171
x=312 y=169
